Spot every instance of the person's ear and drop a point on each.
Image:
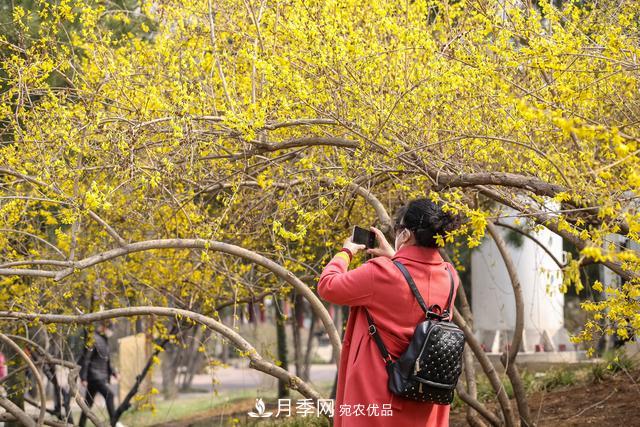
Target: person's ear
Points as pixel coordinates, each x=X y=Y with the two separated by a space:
x=408 y=235
x=405 y=235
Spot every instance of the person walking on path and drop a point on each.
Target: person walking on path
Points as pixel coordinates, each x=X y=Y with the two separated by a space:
x=96 y=371
x=362 y=395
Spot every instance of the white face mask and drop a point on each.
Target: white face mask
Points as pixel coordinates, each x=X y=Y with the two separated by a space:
x=398 y=242
x=108 y=333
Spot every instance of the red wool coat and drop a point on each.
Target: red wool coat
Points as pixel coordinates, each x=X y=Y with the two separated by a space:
x=379 y=286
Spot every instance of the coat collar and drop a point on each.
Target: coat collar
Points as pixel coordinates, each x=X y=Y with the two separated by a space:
x=420 y=254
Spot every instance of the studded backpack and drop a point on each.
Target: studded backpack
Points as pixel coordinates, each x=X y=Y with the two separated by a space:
x=429 y=369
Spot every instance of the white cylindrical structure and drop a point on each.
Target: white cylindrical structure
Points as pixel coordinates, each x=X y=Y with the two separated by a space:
x=540 y=278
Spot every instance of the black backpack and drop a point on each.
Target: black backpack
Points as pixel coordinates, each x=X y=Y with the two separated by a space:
x=429 y=369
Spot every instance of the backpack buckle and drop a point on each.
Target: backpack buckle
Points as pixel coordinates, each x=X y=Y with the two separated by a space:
x=372 y=329
x=435 y=312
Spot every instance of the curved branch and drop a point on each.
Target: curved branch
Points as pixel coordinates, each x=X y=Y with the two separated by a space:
x=256 y=361
x=509 y=356
x=254 y=257
x=51 y=360
x=521 y=144
x=36 y=375
x=504 y=179
x=550 y=222
x=487 y=414
x=488 y=368
x=529 y=236
x=367 y=195
x=32 y=180
x=517 y=290
x=92 y=214
x=40 y=239
x=53 y=423
x=16 y=412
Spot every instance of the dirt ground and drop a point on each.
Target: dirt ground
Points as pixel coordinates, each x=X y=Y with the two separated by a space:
x=615 y=402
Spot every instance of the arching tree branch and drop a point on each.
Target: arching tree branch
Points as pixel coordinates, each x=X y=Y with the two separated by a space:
x=509 y=356
x=256 y=360
x=487 y=367
x=212 y=245
x=8 y=405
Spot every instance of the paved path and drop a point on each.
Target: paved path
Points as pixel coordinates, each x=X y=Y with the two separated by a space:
x=239 y=376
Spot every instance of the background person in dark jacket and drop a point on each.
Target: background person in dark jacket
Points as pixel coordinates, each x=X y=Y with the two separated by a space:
x=96 y=370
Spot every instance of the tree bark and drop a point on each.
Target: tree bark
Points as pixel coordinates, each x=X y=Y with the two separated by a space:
x=489 y=370
x=306 y=372
x=256 y=361
x=508 y=358
x=281 y=333
x=298 y=312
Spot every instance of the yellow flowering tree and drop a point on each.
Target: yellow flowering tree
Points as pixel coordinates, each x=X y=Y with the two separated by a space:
x=153 y=166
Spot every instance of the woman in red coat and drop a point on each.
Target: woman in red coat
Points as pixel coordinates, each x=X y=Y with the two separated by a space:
x=362 y=395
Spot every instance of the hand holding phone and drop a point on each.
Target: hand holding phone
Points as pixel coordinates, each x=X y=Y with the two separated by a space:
x=362 y=236
x=384 y=248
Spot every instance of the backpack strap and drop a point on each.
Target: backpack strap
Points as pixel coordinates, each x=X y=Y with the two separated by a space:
x=446 y=312
x=412 y=285
x=418 y=296
x=373 y=331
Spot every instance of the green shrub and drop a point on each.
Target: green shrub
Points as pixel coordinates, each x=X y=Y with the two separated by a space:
x=558 y=377
x=599 y=372
x=614 y=362
x=618 y=361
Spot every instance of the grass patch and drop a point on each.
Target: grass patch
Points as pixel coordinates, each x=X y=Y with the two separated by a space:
x=614 y=361
x=183 y=408
x=171 y=410
x=556 y=378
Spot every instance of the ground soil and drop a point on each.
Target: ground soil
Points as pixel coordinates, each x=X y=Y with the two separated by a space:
x=615 y=402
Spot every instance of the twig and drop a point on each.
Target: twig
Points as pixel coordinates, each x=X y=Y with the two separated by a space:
x=594 y=405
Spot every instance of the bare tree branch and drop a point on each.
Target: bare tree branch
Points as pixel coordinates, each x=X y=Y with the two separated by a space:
x=36 y=375
x=489 y=370
x=246 y=349
x=252 y=256
x=472 y=402
x=529 y=236
x=550 y=222
x=509 y=356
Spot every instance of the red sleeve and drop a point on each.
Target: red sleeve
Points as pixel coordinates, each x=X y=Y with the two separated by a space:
x=339 y=286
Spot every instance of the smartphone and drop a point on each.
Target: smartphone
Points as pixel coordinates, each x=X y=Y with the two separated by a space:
x=362 y=236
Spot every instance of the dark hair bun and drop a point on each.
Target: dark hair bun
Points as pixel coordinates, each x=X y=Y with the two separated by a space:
x=426 y=219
